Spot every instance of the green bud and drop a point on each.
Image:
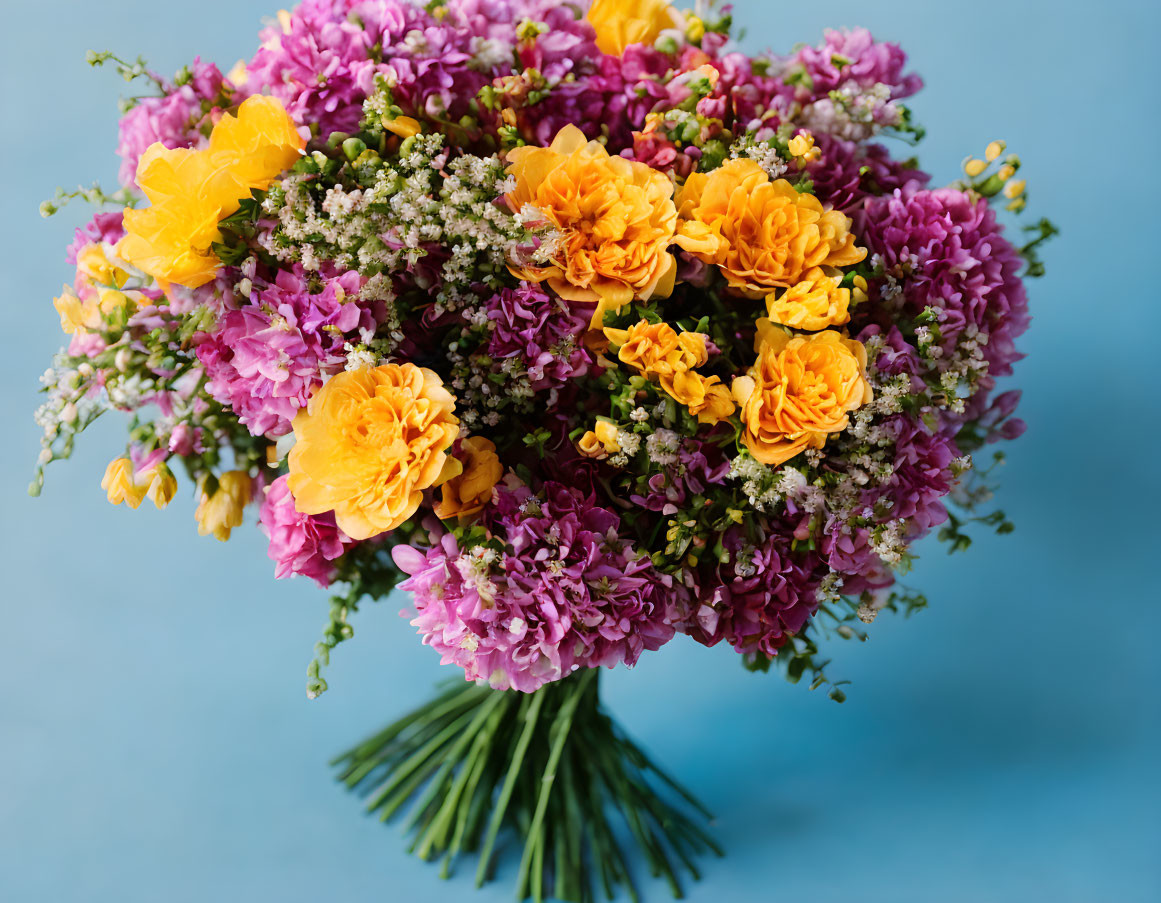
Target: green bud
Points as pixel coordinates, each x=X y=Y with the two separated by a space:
x=352 y=147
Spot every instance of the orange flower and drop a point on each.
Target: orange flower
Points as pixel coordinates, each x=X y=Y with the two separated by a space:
x=814 y=302
x=368 y=444
x=660 y=352
x=471 y=490
x=799 y=391
x=192 y=190
x=619 y=23
x=762 y=234
x=600 y=442
x=615 y=217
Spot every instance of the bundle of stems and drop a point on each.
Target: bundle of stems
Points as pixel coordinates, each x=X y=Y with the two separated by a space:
x=551 y=769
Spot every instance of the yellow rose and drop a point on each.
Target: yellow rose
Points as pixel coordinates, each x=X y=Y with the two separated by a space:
x=121 y=485
x=799 y=391
x=220 y=511
x=659 y=352
x=619 y=23
x=814 y=302
x=368 y=444
x=615 y=218
x=471 y=490
x=190 y=191
x=761 y=234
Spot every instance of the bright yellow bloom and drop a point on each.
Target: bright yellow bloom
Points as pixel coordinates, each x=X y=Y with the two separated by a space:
x=160 y=483
x=761 y=234
x=218 y=513
x=121 y=485
x=615 y=217
x=403 y=126
x=802 y=146
x=799 y=391
x=619 y=23
x=96 y=294
x=600 y=442
x=471 y=490
x=659 y=352
x=1014 y=189
x=994 y=149
x=368 y=444
x=974 y=167
x=192 y=190
x=814 y=302
x=1006 y=172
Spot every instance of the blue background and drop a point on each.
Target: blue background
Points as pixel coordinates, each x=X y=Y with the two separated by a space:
x=1003 y=746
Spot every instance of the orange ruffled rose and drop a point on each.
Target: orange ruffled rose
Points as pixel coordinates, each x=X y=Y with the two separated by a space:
x=471 y=490
x=619 y=23
x=192 y=190
x=616 y=219
x=814 y=302
x=660 y=352
x=368 y=444
x=761 y=234
x=799 y=391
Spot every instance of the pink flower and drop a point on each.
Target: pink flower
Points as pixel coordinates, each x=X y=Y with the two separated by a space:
x=304 y=544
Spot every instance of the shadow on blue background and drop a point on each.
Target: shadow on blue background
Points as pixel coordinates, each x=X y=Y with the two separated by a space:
x=156 y=742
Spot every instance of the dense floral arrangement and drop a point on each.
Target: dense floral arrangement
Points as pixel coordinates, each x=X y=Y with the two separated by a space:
x=575 y=322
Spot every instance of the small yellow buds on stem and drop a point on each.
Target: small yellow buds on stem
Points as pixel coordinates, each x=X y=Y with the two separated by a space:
x=220 y=506
x=802 y=147
x=124 y=484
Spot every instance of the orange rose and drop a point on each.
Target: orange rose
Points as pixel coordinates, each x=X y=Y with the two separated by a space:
x=471 y=490
x=615 y=217
x=762 y=234
x=814 y=302
x=368 y=444
x=799 y=391
x=619 y=23
x=660 y=352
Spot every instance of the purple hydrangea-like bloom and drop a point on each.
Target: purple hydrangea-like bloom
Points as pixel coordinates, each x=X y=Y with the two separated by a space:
x=854 y=56
x=921 y=474
x=304 y=544
x=847 y=172
x=541 y=333
x=949 y=252
x=266 y=358
x=760 y=595
x=567 y=592
x=171 y=119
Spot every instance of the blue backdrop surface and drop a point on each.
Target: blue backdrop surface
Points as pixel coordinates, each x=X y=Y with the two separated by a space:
x=155 y=741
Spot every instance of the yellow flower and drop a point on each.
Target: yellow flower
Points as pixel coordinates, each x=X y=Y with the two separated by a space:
x=814 y=302
x=403 y=126
x=615 y=217
x=368 y=444
x=974 y=167
x=600 y=442
x=192 y=190
x=799 y=391
x=619 y=23
x=802 y=147
x=471 y=490
x=994 y=149
x=762 y=234
x=160 y=483
x=121 y=485
x=660 y=352
x=219 y=512
x=96 y=294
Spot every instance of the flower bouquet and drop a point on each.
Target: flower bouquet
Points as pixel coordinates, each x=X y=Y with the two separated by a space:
x=579 y=325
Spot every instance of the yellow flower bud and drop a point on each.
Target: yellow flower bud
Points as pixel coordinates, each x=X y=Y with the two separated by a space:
x=590 y=446
x=161 y=485
x=1014 y=189
x=994 y=150
x=220 y=512
x=694 y=28
x=606 y=433
x=403 y=126
x=120 y=485
x=802 y=145
x=1006 y=172
x=974 y=167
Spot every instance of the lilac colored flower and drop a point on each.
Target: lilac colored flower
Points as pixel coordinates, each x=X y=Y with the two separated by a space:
x=854 y=56
x=847 y=172
x=567 y=592
x=304 y=544
x=266 y=358
x=171 y=119
x=949 y=252
x=541 y=333
x=686 y=471
x=761 y=594
x=921 y=474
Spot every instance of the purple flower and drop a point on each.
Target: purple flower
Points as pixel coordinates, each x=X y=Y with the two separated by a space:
x=304 y=544
x=760 y=594
x=686 y=471
x=847 y=172
x=541 y=333
x=103 y=227
x=854 y=57
x=171 y=119
x=567 y=592
x=266 y=358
